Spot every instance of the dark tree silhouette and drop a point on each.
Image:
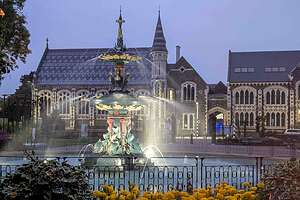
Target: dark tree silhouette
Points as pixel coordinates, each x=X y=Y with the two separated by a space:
x=14 y=36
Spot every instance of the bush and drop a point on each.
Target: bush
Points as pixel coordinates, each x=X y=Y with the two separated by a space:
x=45 y=180
x=284 y=181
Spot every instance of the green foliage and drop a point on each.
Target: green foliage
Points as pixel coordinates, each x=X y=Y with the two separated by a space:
x=284 y=181
x=45 y=180
x=14 y=36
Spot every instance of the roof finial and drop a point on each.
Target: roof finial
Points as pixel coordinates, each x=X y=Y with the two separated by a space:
x=158 y=10
x=120 y=21
x=47 y=43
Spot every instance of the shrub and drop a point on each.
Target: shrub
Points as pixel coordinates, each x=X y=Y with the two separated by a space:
x=284 y=181
x=45 y=180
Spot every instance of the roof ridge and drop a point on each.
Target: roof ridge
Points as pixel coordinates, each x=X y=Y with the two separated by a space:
x=266 y=51
x=77 y=49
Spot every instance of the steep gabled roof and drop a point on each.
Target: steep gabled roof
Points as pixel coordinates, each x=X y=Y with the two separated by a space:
x=159 y=41
x=261 y=66
x=219 y=88
x=80 y=67
x=182 y=71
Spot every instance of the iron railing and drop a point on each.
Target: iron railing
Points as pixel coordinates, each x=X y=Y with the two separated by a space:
x=178 y=172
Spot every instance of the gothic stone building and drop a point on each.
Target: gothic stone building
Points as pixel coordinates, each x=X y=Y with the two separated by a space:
x=66 y=78
x=264 y=85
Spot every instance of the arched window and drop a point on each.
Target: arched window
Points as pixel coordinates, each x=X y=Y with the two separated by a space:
x=247 y=97
x=158 y=88
x=272 y=97
x=268 y=119
x=273 y=119
x=242 y=119
x=44 y=102
x=237 y=98
x=268 y=98
x=237 y=119
x=247 y=119
x=192 y=93
x=277 y=119
x=185 y=121
x=277 y=97
x=251 y=119
x=191 y=126
x=64 y=102
x=282 y=97
x=83 y=104
x=188 y=91
x=283 y=119
x=242 y=97
x=99 y=94
x=251 y=98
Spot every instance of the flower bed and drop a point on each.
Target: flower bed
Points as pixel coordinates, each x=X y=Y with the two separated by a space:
x=222 y=191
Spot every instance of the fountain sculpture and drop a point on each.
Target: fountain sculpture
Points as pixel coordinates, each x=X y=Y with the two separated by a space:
x=118 y=142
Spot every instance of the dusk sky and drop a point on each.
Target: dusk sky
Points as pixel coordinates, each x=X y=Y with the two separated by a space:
x=205 y=29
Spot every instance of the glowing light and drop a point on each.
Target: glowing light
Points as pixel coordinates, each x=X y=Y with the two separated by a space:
x=119 y=57
x=149 y=153
x=2 y=13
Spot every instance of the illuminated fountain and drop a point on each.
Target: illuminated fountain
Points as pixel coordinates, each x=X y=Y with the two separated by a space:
x=118 y=144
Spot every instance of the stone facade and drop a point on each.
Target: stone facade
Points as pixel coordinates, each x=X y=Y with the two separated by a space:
x=263 y=89
x=66 y=81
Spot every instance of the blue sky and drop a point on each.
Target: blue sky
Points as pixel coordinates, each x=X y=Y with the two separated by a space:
x=205 y=29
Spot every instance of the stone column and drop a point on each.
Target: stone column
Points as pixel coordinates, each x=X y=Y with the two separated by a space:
x=259 y=102
x=292 y=108
x=206 y=110
x=73 y=107
x=54 y=100
x=229 y=106
x=92 y=109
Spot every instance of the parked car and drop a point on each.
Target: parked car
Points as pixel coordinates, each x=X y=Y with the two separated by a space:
x=292 y=132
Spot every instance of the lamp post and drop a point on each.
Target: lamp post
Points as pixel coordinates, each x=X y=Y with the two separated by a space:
x=3 y=111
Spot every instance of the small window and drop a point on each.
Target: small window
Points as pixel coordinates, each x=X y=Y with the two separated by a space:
x=237 y=69
x=251 y=69
x=268 y=69
x=275 y=69
x=244 y=69
x=282 y=69
x=182 y=69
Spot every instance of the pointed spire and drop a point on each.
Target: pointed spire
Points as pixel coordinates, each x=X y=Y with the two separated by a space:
x=159 y=41
x=120 y=43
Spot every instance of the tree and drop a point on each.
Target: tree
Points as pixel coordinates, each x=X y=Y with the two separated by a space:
x=14 y=36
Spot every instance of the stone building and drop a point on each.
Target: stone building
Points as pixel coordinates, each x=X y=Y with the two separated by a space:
x=263 y=90
x=67 y=79
x=217 y=109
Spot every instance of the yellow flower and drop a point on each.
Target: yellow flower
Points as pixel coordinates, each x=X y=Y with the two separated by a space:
x=260 y=185
x=246 y=185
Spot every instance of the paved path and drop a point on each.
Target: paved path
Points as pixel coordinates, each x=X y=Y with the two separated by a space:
x=200 y=147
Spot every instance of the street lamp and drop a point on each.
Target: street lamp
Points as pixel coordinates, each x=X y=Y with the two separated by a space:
x=3 y=111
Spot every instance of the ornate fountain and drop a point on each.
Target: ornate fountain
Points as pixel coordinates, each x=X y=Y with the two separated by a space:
x=118 y=142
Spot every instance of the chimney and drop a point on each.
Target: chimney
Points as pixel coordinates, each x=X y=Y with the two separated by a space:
x=177 y=52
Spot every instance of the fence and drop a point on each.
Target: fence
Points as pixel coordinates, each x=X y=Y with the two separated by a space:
x=165 y=173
